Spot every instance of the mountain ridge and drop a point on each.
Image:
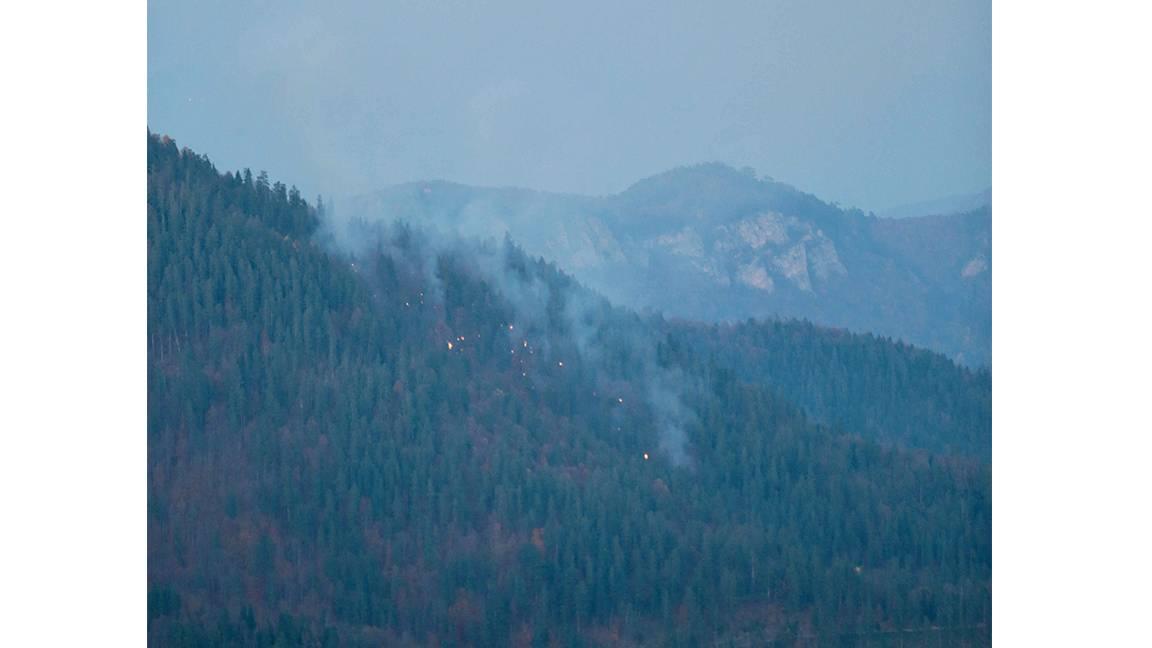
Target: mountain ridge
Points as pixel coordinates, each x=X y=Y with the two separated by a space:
x=714 y=243
x=954 y=204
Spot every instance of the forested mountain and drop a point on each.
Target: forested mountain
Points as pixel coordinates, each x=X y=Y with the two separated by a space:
x=418 y=440
x=871 y=386
x=713 y=243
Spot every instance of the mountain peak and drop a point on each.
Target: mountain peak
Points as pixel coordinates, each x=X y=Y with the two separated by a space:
x=709 y=176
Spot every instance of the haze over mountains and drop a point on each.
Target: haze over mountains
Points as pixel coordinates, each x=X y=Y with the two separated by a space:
x=946 y=205
x=579 y=391
x=871 y=104
x=713 y=243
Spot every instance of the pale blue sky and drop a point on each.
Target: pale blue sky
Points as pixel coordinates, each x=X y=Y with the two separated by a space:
x=871 y=104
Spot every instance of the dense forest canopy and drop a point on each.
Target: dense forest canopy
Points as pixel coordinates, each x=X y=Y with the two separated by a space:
x=430 y=442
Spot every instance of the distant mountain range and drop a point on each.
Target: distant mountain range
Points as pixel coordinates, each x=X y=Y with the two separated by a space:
x=713 y=243
x=947 y=205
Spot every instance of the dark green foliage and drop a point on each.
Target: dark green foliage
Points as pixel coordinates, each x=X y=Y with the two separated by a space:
x=875 y=387
x=323 y=470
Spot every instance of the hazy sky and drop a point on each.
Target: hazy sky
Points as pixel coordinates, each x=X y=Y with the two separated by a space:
x=871 y=104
